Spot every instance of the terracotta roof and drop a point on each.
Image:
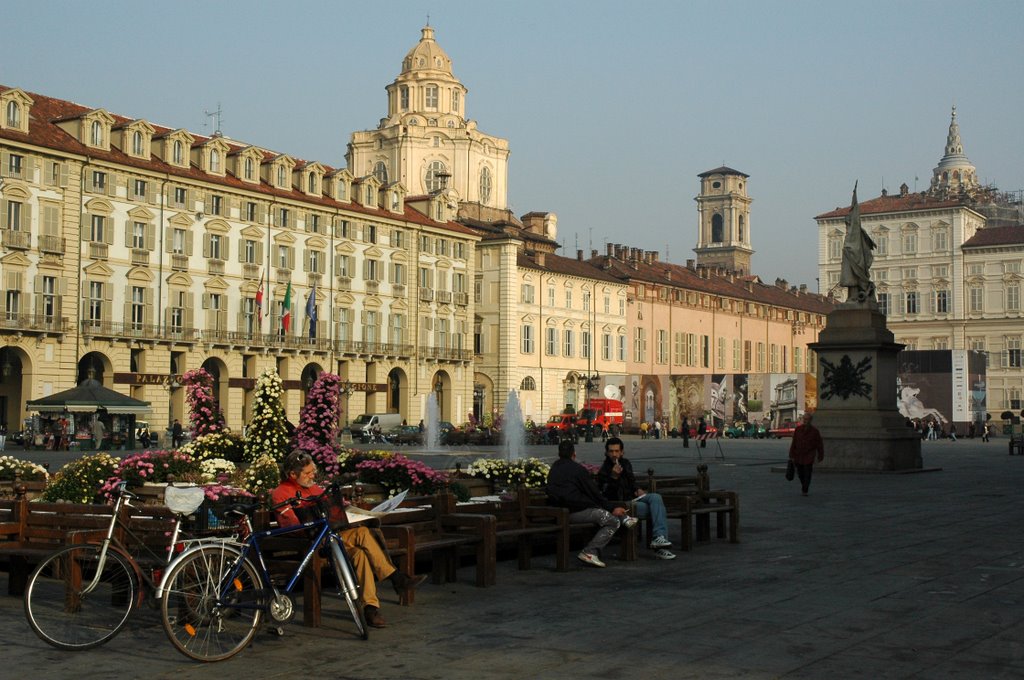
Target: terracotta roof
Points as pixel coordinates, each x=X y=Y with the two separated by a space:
x=894 y=204
x=44 y=132
x=723 y=170
x=996 y=236
x=565 y=265
x=503 y=229
x=748 y=288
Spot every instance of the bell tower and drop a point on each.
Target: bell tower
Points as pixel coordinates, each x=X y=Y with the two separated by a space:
x=723 y=209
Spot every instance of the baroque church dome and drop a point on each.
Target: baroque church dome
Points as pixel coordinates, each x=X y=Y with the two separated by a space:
x=427 y=55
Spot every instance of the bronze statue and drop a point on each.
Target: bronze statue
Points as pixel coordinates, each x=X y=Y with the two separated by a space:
x=857 y=258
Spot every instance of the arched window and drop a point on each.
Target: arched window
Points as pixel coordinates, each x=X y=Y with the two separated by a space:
x=485 y=185
x=717 y=229
x=742 y=230
x=13 y=114
x=137 y=143
x=214 y=160
x=528 y=384
x=436 y=176
x=248 y=168
x=380 y=171
x=179 y=152
x=97 y=133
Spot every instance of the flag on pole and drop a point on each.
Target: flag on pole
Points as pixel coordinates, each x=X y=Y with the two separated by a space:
x=286 y=311
x=259 y=306
x=311 y=312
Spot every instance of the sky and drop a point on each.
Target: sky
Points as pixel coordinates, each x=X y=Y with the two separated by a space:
x=611 y=109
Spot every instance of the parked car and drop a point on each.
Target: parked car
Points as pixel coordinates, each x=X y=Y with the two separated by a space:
x=785 y=430
x=405 y=434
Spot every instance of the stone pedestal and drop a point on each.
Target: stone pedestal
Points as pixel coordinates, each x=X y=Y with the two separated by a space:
x=857 y=411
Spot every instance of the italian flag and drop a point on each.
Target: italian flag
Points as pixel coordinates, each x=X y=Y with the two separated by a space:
x=286 y=312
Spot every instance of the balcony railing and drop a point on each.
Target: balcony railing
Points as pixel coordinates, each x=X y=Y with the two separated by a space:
x=215 y=267
x=98 y=251
x=283 y=274
x=314 y=279
x=251 y=272
x=51 y=244
x=21 y=240
x=426 y=295
x=372 y=287
x=344 y=283
x=398 y=290
x=446 y=353
x=444 y=296
x=462 y=299
x=140 y=258
x=179 y=263
x=14 y=321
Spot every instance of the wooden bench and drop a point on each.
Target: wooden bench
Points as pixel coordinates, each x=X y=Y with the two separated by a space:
x=691 y=500
x=521 y=521
x=31 y=531
x=434 y=532
x=626 y=535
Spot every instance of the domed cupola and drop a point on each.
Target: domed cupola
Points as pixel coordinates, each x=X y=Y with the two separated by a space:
x=954 y=174
x=427 y=55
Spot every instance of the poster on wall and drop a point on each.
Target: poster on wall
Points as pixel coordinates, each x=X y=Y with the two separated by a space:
x=924 y=385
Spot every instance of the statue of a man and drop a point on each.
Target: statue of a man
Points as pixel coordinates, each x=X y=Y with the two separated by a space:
x=857 y=258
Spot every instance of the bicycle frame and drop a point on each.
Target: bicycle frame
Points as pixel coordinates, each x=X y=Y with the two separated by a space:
x=249 y=548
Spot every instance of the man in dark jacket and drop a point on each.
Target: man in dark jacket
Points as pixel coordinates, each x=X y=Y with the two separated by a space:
x=618 y=483
x=571 y=486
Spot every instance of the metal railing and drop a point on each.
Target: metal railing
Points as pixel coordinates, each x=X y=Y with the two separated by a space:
x=15 y=321
x=426 y=295
x=51 y=244
x=179 y=263
x=21 y=240
x=140 y=257
x=98 y=251
x=444 y=296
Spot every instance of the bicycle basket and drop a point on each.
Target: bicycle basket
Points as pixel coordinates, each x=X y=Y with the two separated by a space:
x=330 y=505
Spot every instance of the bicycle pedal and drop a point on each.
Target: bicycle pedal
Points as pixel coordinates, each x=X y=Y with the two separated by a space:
x=276 y=631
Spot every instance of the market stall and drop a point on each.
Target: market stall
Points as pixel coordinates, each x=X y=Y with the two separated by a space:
x=89 y=416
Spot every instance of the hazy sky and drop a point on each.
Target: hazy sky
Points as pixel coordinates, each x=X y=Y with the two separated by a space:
x=611 y=108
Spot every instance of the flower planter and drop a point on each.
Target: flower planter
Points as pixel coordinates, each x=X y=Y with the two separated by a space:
x=32 y=489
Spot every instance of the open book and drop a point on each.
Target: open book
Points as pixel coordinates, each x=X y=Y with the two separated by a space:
x=356 y=515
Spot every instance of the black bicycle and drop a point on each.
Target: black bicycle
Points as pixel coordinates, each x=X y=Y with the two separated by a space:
x=215 y=594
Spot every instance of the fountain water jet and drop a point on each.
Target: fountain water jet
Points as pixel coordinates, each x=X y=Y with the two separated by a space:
x=513 y=428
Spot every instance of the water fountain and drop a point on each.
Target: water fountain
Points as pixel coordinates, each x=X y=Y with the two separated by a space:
x=431 y=424
x=513 y=428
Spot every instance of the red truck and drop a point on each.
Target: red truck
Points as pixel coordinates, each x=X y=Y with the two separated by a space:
x=601 y=413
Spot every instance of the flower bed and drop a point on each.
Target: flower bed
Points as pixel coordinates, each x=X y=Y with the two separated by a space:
x=531 y=472
x=395 y=473
x=12 y=468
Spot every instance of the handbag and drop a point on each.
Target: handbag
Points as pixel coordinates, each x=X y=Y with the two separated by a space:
x=790 y=471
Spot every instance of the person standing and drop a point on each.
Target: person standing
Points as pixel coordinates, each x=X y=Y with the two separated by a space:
x=643 y=430
x=618 y=483
x=952 y=432
x=571 y=486
x=657 y=429
x=702 y=433
x=806 y=445
x=176 y=434
x=3 y=437
x=98 y=431
x=685 y=427
x=984 y=432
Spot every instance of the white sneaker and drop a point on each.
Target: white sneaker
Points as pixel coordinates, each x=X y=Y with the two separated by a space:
x=592 y=560
x=663 y=554
x=629 y=522
x=660 y=542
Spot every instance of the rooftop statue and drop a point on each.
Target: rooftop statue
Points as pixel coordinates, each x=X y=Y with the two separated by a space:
x=857 y=259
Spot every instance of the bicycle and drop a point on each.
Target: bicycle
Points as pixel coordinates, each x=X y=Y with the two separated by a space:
x=81 y=596
x=215 y=594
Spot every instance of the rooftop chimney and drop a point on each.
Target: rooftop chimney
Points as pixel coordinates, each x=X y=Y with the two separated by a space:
x=539 y=257
x=593 y=253
x=579 y=254
x=610 y=247
x=689 y=264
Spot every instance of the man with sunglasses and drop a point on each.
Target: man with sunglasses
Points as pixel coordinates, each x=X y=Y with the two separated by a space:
x=369 y=559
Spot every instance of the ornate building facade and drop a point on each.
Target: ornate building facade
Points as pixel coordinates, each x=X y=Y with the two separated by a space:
x=133 y=253
x=947 y=267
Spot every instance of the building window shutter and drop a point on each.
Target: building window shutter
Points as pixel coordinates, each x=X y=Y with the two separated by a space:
x=128 y=234
x=148 y=301
x=112 y=179
x=259 y=252
x=108 y=232
x=188 y=243
x=306 y=256
x=206 y=246
x=291 y=257
x=150 y=237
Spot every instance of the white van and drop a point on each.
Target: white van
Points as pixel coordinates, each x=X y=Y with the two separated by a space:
x=363 y=426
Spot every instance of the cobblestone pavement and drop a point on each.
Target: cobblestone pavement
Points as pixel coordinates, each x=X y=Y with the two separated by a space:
x=871 y=576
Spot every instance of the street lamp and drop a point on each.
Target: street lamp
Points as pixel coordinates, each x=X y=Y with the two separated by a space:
x=347 y=390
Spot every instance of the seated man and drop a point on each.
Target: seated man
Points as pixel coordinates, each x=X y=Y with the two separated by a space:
x=369 y=559
x=617 y=483
x=571 y=486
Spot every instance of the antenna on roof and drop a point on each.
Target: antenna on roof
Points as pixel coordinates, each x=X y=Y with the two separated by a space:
x=218 y=119
x=590 y=238
x=666 y=252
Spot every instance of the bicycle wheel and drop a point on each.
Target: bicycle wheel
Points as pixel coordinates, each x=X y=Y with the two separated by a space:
x=347 y=588
x=63 y=614
x=209 y=612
